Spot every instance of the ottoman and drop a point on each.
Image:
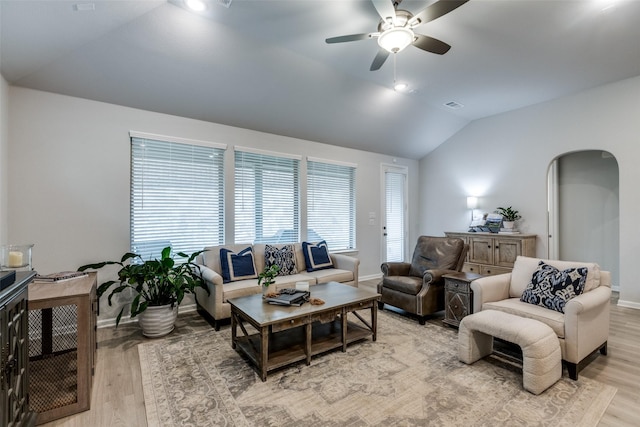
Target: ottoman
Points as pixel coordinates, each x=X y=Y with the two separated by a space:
x=541 y=355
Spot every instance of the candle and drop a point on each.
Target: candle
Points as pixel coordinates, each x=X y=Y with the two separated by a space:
x=302 y=286
x=15 y=259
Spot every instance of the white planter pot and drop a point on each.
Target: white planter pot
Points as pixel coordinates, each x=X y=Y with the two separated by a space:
x=509 y=224
x=158 y=321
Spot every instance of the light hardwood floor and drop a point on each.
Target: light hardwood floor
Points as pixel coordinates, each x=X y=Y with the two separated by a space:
x=117 y=398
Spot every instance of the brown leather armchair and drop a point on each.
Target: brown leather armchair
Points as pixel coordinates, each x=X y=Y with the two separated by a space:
x=418 y=287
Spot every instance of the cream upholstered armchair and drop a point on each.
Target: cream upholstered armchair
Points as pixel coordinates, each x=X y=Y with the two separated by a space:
x=582 y=328
x=418 y=287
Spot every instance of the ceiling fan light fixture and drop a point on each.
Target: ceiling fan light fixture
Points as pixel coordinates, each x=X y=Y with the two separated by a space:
x=401 y=87
x=396 y=39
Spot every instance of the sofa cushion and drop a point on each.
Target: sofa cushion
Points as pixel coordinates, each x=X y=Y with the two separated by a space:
x=240 y=288
x=332 y=275
x=524 y=267
x=237 y=266
x=552 y=318
x=316 y=255
x=552 y=288
x=284 y=257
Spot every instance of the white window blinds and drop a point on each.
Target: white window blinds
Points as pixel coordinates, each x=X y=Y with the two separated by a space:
x=331 y=204
x=266 y=197
x=177 y=196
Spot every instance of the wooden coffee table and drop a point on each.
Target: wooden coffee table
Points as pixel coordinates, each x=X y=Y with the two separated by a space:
x=286 y=335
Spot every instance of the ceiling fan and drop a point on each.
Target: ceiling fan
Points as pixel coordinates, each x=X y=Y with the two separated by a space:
x=395 y=29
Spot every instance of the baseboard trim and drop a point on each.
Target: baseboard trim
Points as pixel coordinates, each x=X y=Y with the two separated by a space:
x=629 y=304
x=107 y=323
x=369 y=277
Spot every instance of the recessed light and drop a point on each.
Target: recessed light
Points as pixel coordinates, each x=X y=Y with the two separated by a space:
x=401 y=87
x=196 y=5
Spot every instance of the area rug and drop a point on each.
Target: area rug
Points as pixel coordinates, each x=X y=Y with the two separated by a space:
x=410 y=376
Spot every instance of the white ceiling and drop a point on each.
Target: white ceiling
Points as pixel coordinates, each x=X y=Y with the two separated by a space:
x=264 y=65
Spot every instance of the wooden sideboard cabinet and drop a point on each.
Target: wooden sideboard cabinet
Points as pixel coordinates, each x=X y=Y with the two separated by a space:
x=62 y=351
x=15 y=410
x=492 y=253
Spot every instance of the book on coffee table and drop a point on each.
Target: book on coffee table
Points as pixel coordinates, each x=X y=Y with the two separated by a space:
x=297 y=298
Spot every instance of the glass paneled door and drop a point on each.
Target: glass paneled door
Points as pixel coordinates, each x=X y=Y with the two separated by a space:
x=394 y=225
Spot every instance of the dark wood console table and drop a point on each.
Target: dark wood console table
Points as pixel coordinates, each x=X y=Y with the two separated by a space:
x=14 y=353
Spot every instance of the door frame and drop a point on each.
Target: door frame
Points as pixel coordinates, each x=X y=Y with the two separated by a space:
x=404 y=170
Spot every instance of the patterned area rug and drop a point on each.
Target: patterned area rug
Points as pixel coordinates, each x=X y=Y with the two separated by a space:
x=410 y=376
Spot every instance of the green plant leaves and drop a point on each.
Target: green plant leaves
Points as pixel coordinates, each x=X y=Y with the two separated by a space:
x=154 y=282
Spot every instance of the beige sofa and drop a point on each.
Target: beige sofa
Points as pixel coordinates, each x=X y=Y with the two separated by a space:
x=215 y=304
x=583 y=327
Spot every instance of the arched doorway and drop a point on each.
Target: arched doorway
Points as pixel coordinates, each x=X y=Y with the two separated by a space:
x=584 y=209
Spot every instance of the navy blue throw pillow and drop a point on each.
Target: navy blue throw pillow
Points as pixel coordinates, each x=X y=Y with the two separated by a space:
x=552 y=288
x=238 y=266
x=316 y=256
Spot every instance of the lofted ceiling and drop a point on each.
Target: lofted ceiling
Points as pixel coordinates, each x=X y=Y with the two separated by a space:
x=264 y=65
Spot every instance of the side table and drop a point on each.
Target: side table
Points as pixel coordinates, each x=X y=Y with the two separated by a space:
x=62 y=347
x=458 y=296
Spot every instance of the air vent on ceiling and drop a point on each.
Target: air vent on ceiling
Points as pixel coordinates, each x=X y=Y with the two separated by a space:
x=225 y=3
x=453 y=105
x=84 y=7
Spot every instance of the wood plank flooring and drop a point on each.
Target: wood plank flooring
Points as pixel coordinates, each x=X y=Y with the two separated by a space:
x=117 y=398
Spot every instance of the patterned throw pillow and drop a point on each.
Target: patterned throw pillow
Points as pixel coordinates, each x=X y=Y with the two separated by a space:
x=238 y=266
x=316 y=256
x=285 y=258
x=552 y=288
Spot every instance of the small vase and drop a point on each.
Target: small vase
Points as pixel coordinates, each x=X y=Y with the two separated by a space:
x=265 y=291
x=158 y=321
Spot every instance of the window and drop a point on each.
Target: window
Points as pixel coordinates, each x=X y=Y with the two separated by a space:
x=267 y=208
x=331 y=212
x=177 y=195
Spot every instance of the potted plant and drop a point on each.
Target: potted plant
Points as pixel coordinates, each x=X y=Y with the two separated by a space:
x=509 y=216
x=268 y=277
x=159 y=286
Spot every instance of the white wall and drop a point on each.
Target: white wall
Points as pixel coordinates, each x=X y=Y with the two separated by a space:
x=589 y=210
x=4 y=158
x=70 y=160
x=504 y=160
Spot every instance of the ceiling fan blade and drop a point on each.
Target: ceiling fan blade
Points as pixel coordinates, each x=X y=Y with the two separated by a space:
x=349 y=38
x=379 y=59
x=431 y=45
x=434 y=11
x=385 y=9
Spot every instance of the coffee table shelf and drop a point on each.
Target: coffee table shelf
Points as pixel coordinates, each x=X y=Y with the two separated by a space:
x=287 y=347
x=287 y=335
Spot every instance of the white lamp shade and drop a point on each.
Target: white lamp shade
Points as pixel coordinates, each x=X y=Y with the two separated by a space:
x=472 y=202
